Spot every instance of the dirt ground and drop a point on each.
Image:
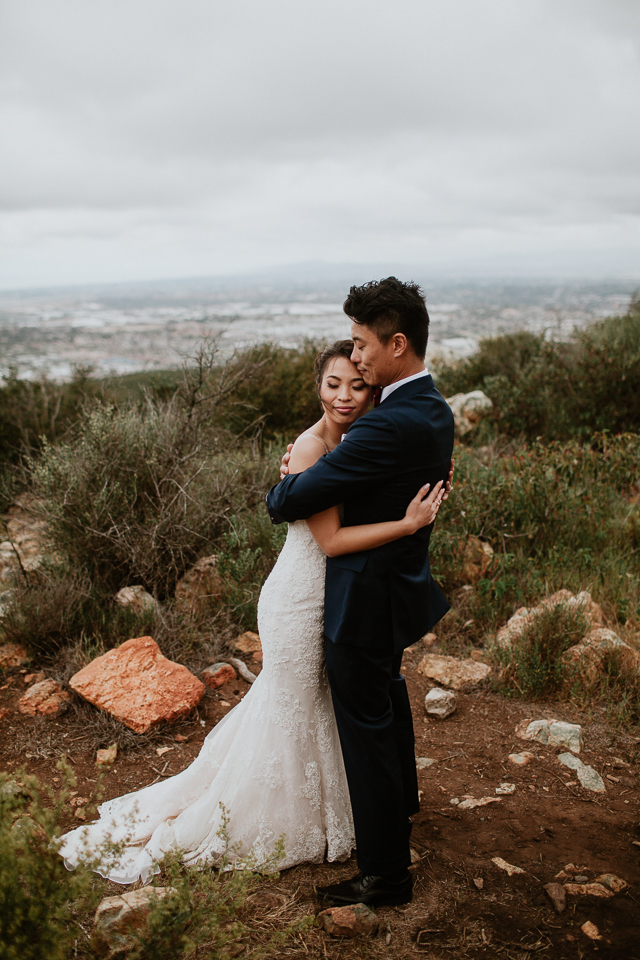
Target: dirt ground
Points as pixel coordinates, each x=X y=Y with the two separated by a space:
x=548 y=822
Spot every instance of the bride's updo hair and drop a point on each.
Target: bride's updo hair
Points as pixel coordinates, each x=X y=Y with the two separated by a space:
x=341 y=348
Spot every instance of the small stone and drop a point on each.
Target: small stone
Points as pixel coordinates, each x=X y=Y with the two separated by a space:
x=423 y=762
x=552 y=733
x=218 y=674
x=588 y=890
x=588 y=777
x=581 y=878
x=429 y=639
x=46 y=698
x=508 y=868
x=138 y=686
x=181 y=738
x=248 y=642
x=478 y=883
x=107 y=755
x=477 y=557
x=12 y=655
x=34 y=677
x=590 y=930
x=609 y=880
x=569 y=872
x=137 y=599
x=117 y=918
x=440 y=703
x=521 y=759
x=505 y=789
x=415 y=856
x=352 y=921
x=4 y=713
x=160 y=751
x=452 y=671
x=558 y=896
x=470 y=804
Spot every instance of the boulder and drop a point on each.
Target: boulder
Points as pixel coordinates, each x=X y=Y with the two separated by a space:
x=477 y=557
x=45 y=699
x=248 y=642
x=468 y=410
x=587 y=656
x=217 y=674
x=551 y=733
x=12 y=655
x=524 y=616
x=452 y=671
x=199 y=586
x=440 y=703
x=353 y=921
x=119 y=918
x=138 y=686
x=588 y=777
x=137 y=599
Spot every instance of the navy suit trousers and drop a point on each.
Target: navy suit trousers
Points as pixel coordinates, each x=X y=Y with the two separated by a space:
x=375 y=725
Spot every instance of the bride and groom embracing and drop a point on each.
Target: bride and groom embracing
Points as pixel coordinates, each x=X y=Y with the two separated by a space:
x=321 y=749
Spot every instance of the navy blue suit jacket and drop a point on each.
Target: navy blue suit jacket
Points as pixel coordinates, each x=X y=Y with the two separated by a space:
x=383 y=599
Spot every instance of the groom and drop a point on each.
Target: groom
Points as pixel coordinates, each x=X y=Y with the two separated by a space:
x=377 y=602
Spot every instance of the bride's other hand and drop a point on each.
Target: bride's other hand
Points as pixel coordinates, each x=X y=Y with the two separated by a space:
x=284 y=463
x=423 y=509
x=448 y=487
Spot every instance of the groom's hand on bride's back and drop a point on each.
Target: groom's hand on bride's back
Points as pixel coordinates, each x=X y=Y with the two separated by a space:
x=284 y=463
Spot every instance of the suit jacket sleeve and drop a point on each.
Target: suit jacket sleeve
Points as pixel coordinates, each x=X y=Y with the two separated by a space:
x=368 y=454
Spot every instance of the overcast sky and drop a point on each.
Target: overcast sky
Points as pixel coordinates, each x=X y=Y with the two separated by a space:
x=145 y=139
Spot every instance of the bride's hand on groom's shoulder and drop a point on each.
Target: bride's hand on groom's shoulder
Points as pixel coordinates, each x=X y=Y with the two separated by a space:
x=284 y=463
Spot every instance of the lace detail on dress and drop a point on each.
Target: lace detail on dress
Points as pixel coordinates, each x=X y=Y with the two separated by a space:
x=273 y=762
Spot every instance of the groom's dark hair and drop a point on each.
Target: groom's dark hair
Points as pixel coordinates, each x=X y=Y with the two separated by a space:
x=390 y=306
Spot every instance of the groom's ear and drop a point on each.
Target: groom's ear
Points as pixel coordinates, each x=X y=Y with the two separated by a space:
x=399 y=344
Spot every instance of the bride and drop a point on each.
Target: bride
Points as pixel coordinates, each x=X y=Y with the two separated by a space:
x=273 y=764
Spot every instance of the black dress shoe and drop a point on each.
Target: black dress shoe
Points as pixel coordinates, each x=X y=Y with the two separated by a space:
x=374 y=891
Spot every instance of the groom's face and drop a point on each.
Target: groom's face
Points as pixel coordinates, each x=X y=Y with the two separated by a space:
x=376 y=362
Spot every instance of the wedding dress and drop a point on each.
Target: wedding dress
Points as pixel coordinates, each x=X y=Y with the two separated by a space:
x=273 y=763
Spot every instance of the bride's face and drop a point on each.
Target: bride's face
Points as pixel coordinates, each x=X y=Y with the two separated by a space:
x=344 y=394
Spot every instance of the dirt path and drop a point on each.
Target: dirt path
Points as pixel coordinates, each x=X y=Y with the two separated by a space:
x=548 y=822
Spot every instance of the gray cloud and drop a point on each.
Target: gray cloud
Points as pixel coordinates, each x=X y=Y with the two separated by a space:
x=149 y=138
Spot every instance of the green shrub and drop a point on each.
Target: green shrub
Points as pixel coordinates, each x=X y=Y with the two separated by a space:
x=533 y=665
x=558 y=390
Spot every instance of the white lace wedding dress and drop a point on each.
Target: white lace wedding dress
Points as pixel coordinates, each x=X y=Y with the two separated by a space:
x=273 y=763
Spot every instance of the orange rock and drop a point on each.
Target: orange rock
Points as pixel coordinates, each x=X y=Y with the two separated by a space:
x=352 y=921
x=138 y=686
x=44 y=698
x=477 y=557
x=248 y=642
x=4 y=713
x=218 y=674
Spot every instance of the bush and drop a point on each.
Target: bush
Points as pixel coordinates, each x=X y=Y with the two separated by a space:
x=557 y=515
x=533 y=665
x=558 y=390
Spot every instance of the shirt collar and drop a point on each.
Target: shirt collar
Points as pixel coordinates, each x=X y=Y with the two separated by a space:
x=400 y=383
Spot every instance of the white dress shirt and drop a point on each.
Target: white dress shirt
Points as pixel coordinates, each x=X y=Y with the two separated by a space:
x=400 y=383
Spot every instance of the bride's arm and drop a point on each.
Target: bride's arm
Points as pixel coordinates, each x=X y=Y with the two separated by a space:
x=335 y=540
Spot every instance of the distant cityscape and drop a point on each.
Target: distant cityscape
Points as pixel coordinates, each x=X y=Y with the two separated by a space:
x=125 y=328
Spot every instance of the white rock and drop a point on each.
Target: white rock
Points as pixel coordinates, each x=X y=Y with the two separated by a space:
x=452 y=671
x=137 y=598
x=521 y=759
x=470 y=803
x=552 y=733
x=440 y=703
x=505 y=789
x=508 y=868
x=468 y=410
x=588 y=777
x=423 y=762
x=118 y=917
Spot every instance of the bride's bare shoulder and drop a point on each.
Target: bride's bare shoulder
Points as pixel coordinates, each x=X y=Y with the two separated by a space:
x=307 y=449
